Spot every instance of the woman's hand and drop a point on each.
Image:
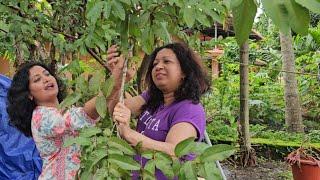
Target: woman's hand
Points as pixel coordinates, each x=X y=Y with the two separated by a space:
x=121 y=114
x=115 y=64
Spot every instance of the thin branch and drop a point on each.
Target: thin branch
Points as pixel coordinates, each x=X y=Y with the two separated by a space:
x=3 y=30
x=96 y=57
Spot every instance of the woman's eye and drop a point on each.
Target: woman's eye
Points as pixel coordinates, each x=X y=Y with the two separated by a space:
x=36 y=80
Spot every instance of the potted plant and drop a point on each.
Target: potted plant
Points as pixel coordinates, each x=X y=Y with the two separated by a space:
x=305 y=163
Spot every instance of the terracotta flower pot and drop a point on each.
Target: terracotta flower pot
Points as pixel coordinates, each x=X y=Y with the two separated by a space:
x=308 y=170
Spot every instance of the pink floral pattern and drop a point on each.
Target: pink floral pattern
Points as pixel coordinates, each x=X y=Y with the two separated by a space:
x=49 y=130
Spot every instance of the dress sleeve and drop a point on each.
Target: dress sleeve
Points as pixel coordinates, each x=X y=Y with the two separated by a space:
x=51 y=123
x=193 y=114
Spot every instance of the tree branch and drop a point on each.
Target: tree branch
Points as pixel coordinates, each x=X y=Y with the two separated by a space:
x=3 y=30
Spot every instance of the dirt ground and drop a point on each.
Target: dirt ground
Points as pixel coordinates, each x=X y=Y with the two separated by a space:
x=264 y=170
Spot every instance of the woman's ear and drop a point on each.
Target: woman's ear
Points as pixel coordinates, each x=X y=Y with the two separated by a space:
x=30 y=97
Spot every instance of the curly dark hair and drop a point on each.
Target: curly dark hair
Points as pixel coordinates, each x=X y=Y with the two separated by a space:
x=194 y=84
x=20 y=107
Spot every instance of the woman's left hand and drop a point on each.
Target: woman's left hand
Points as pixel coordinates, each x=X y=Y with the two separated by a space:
x=121 y=114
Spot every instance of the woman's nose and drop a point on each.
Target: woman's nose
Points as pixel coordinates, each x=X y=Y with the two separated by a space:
x=159 y=66
x=45 y=79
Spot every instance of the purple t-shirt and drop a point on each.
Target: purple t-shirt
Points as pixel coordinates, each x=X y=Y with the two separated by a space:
x=157 y=125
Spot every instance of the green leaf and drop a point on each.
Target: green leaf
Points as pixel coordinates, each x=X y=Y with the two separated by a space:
x=78 y=140
x=164 y=167
x=312 y=5
x=211 y=170
x=287 y=14
x=70 y=100
x=107 y=86
x=243 y=17
x=217 y=152
x=189 y=16
x=94 y=82
x=163 y=157
x=167 y=36
x=89 y=132
x=100 y=174
x=94 y=13
x=101 y=106
x=118 y=10
x=150 y=166
x=184 y=147
x=98 y=154
x=147 y=175
x=230 y=4
x=121 y=145
x=124 y=162
x=147 y=154
x=106 y=10
x=128 y=2
x=202 y=19
x=113 y=150
x=81 y=84
x=189 y=170
x=200 y=147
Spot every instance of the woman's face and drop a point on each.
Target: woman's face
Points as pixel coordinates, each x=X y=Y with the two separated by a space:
x=166 y=72
x=43 y=86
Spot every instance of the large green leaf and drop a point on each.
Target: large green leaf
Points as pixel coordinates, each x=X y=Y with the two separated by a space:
x=94 y=12
x=70 y=100
x=89 y=132
x=189 y=15
x=106 y=10
x=97 y=155
x=121 y=145
x=243 y=17
x=94 y=82
x=101 y=105
x=184 y=147
x=232 y=3
x=211 y=170
x=312 y=5
x=165 y=168
x=83 y=141
x=147 y=154
x=124 y=162
x=150 y=166
x=107 y=86
x=189 y=170
x=217 y=153
x=287 y=14
x=118 y=10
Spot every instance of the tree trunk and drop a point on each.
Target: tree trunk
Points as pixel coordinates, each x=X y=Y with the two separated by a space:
x=293 y=115
x=247 y=152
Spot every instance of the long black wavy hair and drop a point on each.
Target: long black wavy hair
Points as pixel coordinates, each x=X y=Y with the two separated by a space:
x=195 y=83
x=20 y=107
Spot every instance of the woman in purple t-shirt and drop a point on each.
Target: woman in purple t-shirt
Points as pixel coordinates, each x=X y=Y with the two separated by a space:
x=169 y=111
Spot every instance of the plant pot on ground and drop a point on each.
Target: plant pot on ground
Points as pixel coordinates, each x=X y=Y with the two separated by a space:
x=305 y=163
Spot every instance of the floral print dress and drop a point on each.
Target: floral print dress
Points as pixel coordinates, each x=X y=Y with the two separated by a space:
x=50 y=128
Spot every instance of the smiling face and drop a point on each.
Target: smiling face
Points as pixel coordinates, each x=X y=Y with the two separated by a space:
x=166 y=72
x=43 y=86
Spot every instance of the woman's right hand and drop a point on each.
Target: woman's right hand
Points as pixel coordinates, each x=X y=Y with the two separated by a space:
x=121 y=114
x=115 y=63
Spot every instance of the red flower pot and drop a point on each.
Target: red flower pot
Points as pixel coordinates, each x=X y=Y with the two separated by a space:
x=308 y=170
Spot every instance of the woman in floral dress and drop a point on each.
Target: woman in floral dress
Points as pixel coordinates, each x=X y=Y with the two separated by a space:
x=33 y=99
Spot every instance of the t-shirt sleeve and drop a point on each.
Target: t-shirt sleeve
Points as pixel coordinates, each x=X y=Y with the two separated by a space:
x=193 y=114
